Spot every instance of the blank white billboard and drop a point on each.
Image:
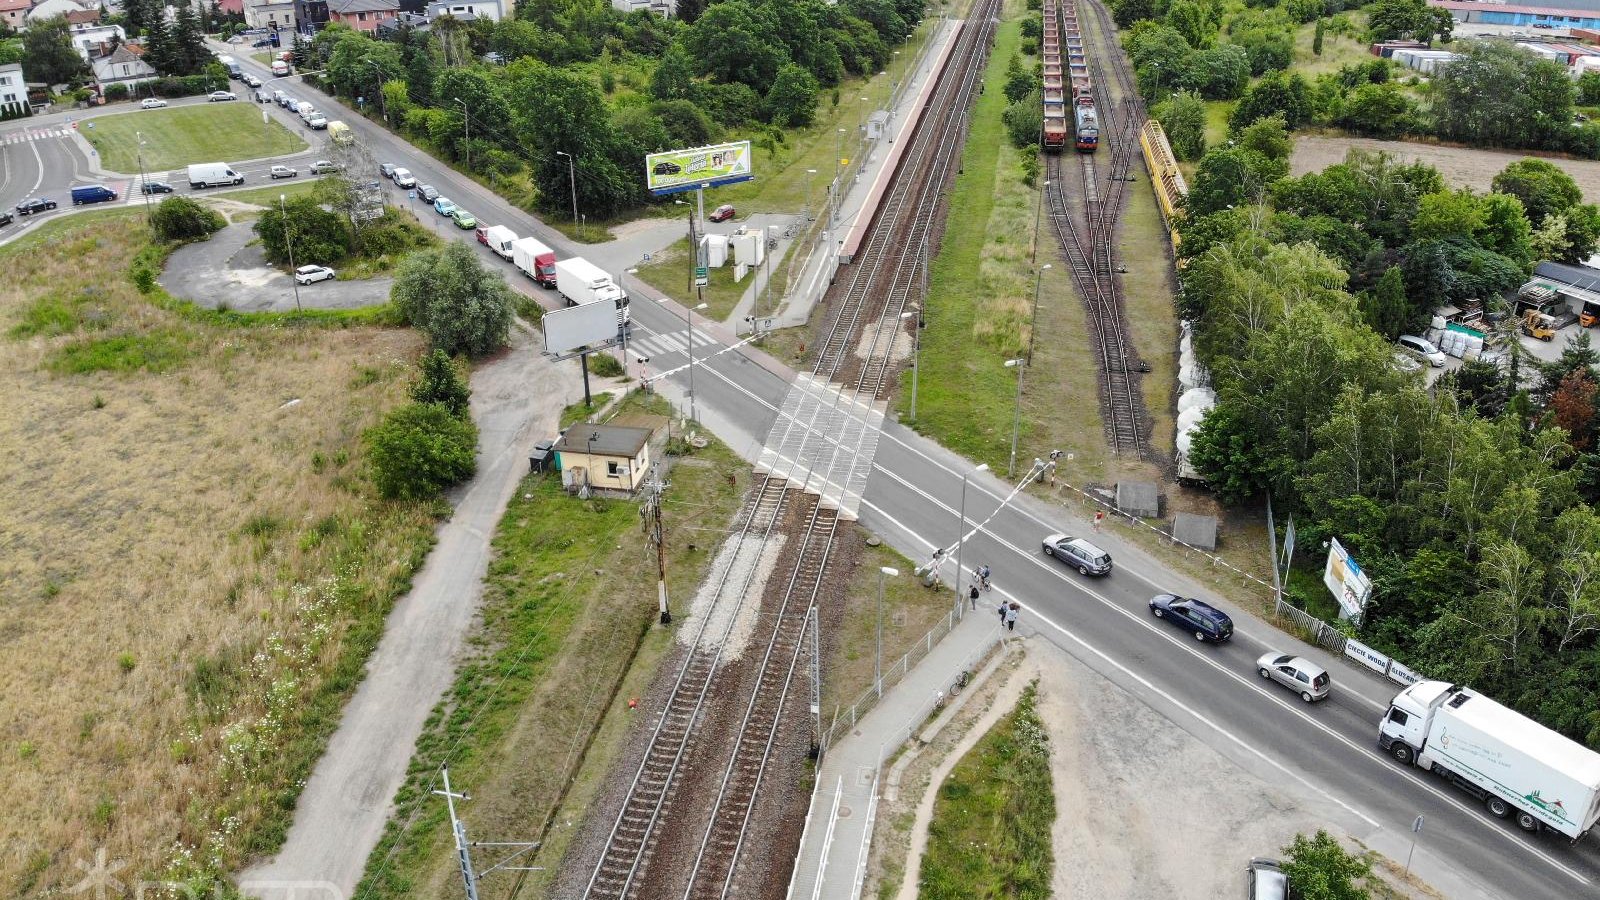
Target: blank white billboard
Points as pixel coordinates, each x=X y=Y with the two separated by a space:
x=579 y=326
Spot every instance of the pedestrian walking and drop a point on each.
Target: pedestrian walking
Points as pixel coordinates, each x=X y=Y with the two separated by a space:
x=1011 y=616
x=973 y=595
x=983 y=576
x=1099 y=516
x=1002 y=609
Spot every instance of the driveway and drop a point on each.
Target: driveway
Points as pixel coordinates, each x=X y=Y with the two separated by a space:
x=230 y=272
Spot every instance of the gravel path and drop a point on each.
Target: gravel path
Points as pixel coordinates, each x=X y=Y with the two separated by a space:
x=232 y=272
x=1460 y=166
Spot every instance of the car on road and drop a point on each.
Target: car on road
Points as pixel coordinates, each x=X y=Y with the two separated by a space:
x=313 y=274
x=1296 y=673
x=152 y=103
x=464 y=219
x=282 y=172
x=317 y=121
x=220 y=96
x=1266 y=880
x=1422 y=348
x=443 y=206
x=323 y=166
x=723 y=213
x=404 y=178
x=1078 y=553
x=427 y=192
x=155 y=187
x=667 y=168
x=5 y=219
x=1199 y=618
x=251 y=80
x=261 y=43
x=36 y=204
x=386 y=170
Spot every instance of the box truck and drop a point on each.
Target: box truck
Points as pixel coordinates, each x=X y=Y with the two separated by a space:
x=232 y=65
x=499 y=239
x=535 y=260
x=212 y=174
x=1510 y=762
x=579 y=281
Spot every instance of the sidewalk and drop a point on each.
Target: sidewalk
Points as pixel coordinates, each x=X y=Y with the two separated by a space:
x=838 y=830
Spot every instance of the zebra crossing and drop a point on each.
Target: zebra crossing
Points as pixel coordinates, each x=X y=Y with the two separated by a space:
x=135 y=193
x=24 y=135
x=659 y=345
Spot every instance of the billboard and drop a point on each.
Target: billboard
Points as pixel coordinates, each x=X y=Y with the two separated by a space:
x=1350 y=586
x=685 y=170
x=588 y=324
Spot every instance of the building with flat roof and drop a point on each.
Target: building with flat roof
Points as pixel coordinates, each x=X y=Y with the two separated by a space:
x=603 y=457
x=1573 y=16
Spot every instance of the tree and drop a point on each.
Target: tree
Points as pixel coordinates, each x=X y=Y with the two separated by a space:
x=1020 y=80
x=1267 y=136
x=187 y=43
x=1393 y=20
x=1316 y=39
x=47 y=52
x=1448 y=214
x=1378 y=110
x=1498 y=94
x=462 y=306
x=1022 y=120
x=1320 y=869
x=1276 y=94
x=1572 y=408
x=1231 y=176
x=1576 y=574
x=1589 y=87
x=1183 y=115
x=1505 y=227
x=1217 y=73
x=1385 y=307
x=302 y=227
x=1127 y=12
x=792 y=101
x=732 y=42
x=685 y=122
x=673 y=78
x=560 y=110
x=182 y=219
x=419 y=450
x=1583 y=232
x=1190 y=19
x=440 y=382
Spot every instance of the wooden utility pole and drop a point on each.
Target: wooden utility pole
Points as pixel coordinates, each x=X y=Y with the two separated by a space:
x=651 y=513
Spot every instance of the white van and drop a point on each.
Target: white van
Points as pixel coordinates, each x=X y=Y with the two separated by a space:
x=305 y=110
x=202 y=175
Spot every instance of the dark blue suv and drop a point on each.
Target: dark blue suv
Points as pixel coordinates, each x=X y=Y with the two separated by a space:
x=1199 y=618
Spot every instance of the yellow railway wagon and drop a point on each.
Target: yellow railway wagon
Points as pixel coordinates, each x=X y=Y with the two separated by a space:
x=1164 y=176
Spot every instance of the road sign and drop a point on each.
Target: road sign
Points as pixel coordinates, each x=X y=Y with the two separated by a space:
x=647 y=257
x=702 y=276
x=411 y=195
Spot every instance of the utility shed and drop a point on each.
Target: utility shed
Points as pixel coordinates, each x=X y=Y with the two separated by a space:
x=1139 y=498
x=603 y=457
x=1196 y=531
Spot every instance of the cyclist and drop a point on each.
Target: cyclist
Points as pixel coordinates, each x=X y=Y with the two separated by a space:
x=983 y=576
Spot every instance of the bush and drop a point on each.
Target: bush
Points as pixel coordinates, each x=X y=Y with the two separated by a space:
x=313 y=234
x=460 y=304
x=419 y=450
x=1022 y=120
x=605 y=365
x=182 y=219
x=440 y=383
x=116 y=92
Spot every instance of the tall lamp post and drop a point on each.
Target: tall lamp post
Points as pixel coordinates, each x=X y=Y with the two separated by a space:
x=961 y=533
x=1033 y=322
x=143 y=186
x=916 y=354
x=1020 y=363
x=383 y=103
x=877 y=659
x=288 y=241
x=466 y=125
x=572 y=178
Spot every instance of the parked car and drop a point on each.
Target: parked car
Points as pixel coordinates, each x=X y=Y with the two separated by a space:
x=251 y=80
x=464 y=219
x=443 y=206
x=667 y=168
x=483 y=235
x=1422 y=348
x=155 y=187
x=1266 y=880
x=1199 y=618
x=1078 y=553
x=1296 y=673
x=322 y=167
x=313 y=274
x=152 y=103
x=1543 y=25
x=261 y=43
x=427 y=192
x=220 y=96
x=37 y=204
x=5 y=219
x=317 y=121
x=403 y=178
x=282 y=172
x=386 y=170
x=723 y=213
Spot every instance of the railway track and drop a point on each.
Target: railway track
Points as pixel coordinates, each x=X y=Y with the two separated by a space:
x=884 y=277
x=1087 y=235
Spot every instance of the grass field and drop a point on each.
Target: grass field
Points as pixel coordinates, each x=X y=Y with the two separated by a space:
x=180 y=135
x=668 y=272
x=195 y=568
x=1337 y=51
x=567 y=638
x=268 y=196
x=990 y=833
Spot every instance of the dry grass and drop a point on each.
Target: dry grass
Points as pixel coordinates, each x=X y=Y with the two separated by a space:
x=193 y=572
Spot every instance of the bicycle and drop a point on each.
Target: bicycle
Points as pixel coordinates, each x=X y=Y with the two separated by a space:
x=961 y=681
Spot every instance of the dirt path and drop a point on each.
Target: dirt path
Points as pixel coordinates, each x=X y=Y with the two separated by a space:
x=516 y=399
x=1460 y=166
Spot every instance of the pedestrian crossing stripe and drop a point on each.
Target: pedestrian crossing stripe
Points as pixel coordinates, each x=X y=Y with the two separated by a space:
x=664 y=344
x=136 y=188
x=33 y=134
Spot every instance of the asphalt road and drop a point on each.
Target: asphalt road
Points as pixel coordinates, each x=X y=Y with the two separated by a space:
x=1328 y=751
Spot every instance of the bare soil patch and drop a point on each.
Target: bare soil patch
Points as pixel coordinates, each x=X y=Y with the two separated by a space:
x=1460 y=166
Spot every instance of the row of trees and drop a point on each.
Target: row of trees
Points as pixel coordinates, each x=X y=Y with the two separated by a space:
x=586 y=85
x=1470 y=505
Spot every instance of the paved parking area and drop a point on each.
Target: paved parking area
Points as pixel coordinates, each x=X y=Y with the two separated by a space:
x=230 y=271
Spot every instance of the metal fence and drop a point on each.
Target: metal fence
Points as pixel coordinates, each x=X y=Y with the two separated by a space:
x=1323 y=634
x=845 y=718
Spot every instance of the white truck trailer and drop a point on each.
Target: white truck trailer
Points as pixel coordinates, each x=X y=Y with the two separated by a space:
x=499 y=239
x=579 y=281
x=1510 y=762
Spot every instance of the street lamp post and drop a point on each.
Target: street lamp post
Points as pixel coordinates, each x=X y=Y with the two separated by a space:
x=288 y=241
x=572 y=178
x=1033 y=326
x=383 y=103
x=877 y=659
x=916 y=354
x=961 y=533
x=688 y=322
x=466 y=125
x=1019 y=364
x=143 y=186
x=811 y=183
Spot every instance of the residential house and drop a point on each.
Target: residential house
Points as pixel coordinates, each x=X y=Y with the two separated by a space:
x=49 y=9
x=83 y=17
x=13 y=91
x=414 y=21
x=94 y=40
x=311 y=14
x=269 y=14
x=13 y=11
x=123 y=65
x=363 y=15
x=493 y=10
x=231 y=7
x=603 y=457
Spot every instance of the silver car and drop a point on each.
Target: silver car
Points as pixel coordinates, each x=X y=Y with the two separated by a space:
x=1078 y=553
x=1296 y=673
x=1266 y=880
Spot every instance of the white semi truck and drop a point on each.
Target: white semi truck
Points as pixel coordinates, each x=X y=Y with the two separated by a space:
x=579 y=281
x=1510 y=762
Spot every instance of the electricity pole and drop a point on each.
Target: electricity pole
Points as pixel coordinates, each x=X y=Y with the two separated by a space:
x=458 y=830
x=651 y=513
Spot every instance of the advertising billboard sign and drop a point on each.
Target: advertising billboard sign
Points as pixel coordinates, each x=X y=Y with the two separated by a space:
x=1350 y=586
x=685 y=170
x=585 y=325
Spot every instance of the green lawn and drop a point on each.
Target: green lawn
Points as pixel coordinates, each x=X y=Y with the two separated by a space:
x=668 y=272
x=1337 y=51
x=181 y=135
x=268 y=196
x=990 y=834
